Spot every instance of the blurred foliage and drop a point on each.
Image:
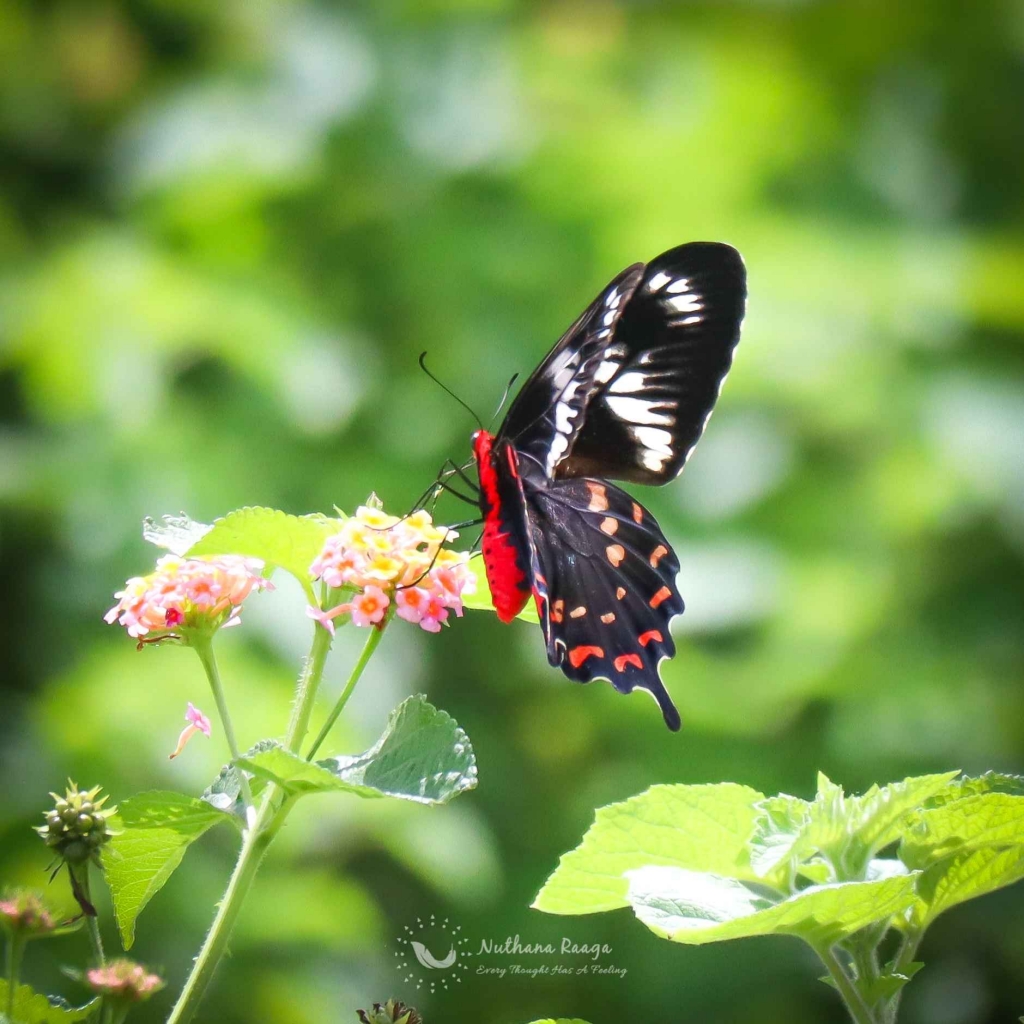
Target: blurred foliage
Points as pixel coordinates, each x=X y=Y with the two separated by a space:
x=226 y=232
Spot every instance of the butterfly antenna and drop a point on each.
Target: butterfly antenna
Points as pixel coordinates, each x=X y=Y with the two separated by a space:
x=504 y=397
x=443 y=387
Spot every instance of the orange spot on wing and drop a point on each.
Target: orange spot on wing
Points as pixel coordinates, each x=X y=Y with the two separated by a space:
x=628 y=659
x=557 y=610
x=598 y=497
x=578 y=655
x=651 y=634
x=609 y=525
x=658 y=554
x=620 y=593
x=608 y=618
x=616 y=553
x=578 y=612
x=662 y=595
x=638 y=513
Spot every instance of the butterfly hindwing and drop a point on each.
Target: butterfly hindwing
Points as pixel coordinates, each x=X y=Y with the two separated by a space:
x=605 y=585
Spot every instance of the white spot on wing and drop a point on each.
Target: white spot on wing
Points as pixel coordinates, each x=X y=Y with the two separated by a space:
x=657 y=440
x=659 y=281
x=606 y=371
x=629 y=382
x=640 y=410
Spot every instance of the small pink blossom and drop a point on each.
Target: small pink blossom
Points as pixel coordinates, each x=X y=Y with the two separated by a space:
x=435 y=613
x=411 y=601
x=197 y=722
x=125 y=980
x=202 y=594
x=368 y=608
x=326 y=618
x=383 y=560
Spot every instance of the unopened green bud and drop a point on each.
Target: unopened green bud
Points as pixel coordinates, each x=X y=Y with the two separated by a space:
x=78 y=825
x=391 y=1012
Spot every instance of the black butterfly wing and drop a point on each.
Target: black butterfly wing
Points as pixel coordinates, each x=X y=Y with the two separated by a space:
x=642 y=369
x=548 y=411
x=604 y=581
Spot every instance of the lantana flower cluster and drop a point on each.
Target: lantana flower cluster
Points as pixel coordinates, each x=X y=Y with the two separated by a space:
x=385 y=559
x=203 y=594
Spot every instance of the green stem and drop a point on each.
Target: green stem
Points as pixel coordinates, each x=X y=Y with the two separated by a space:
x=859 y=1010
x=92 y=923
x=306 y=689
x=15 y=951
x=204 y=648
x=273 y=810
x=376 y=632
x=904 y=958
x=254 y=847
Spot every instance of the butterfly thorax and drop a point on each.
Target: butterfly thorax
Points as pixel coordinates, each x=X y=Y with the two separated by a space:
x=505 y=539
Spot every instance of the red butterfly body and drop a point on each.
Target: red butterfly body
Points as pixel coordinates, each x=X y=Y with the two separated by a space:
x=624 y=394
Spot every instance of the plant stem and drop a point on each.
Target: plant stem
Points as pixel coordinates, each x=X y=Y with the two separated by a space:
x=904 y=958
x=15 y=950
x=256 y=839
x=204 y=648
x=305 y=690
x=376 y=632
x=859 y=1010
x=254 y=846
x=91 y=921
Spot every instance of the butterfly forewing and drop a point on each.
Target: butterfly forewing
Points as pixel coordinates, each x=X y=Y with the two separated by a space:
x=604 y=583
x=673 y=347
x=548 y=412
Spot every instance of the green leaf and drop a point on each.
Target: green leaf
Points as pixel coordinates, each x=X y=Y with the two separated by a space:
x=967 y=785
x=964 y=877
x=703 y=828
x=848 y=830
x=480 y=600
x=987 y=819
x=422 y=755
x=695 y=907
x=176 y=533
x=157 y=828
x=780 y=822
x=278 y=538
x=31 y=1007
x=225 y=792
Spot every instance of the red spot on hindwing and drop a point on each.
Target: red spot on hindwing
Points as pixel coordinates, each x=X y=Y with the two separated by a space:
x=628 y=659
x=652 y=634
x=578 y=655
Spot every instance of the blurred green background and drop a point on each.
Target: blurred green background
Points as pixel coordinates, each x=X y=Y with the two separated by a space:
x=226 y=232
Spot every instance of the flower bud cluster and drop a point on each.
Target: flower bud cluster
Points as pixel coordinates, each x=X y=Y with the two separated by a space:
x=78 y=825
x=201 y=594
x=391 y=1012
x=124 y=981
x=25 y=914
x=383 y=559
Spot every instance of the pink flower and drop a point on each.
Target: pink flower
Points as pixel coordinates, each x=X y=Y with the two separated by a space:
x=197 y=722
x=123 y=980
x=201 y=594
x=326 y=618
x=411 y=602
x=384 y=559
x=368 y=608
x=434 y=613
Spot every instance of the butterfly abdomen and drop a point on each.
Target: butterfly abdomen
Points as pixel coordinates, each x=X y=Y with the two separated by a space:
x=504 y=538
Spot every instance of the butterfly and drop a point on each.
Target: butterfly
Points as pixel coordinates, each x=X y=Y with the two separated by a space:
x=624 y=395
